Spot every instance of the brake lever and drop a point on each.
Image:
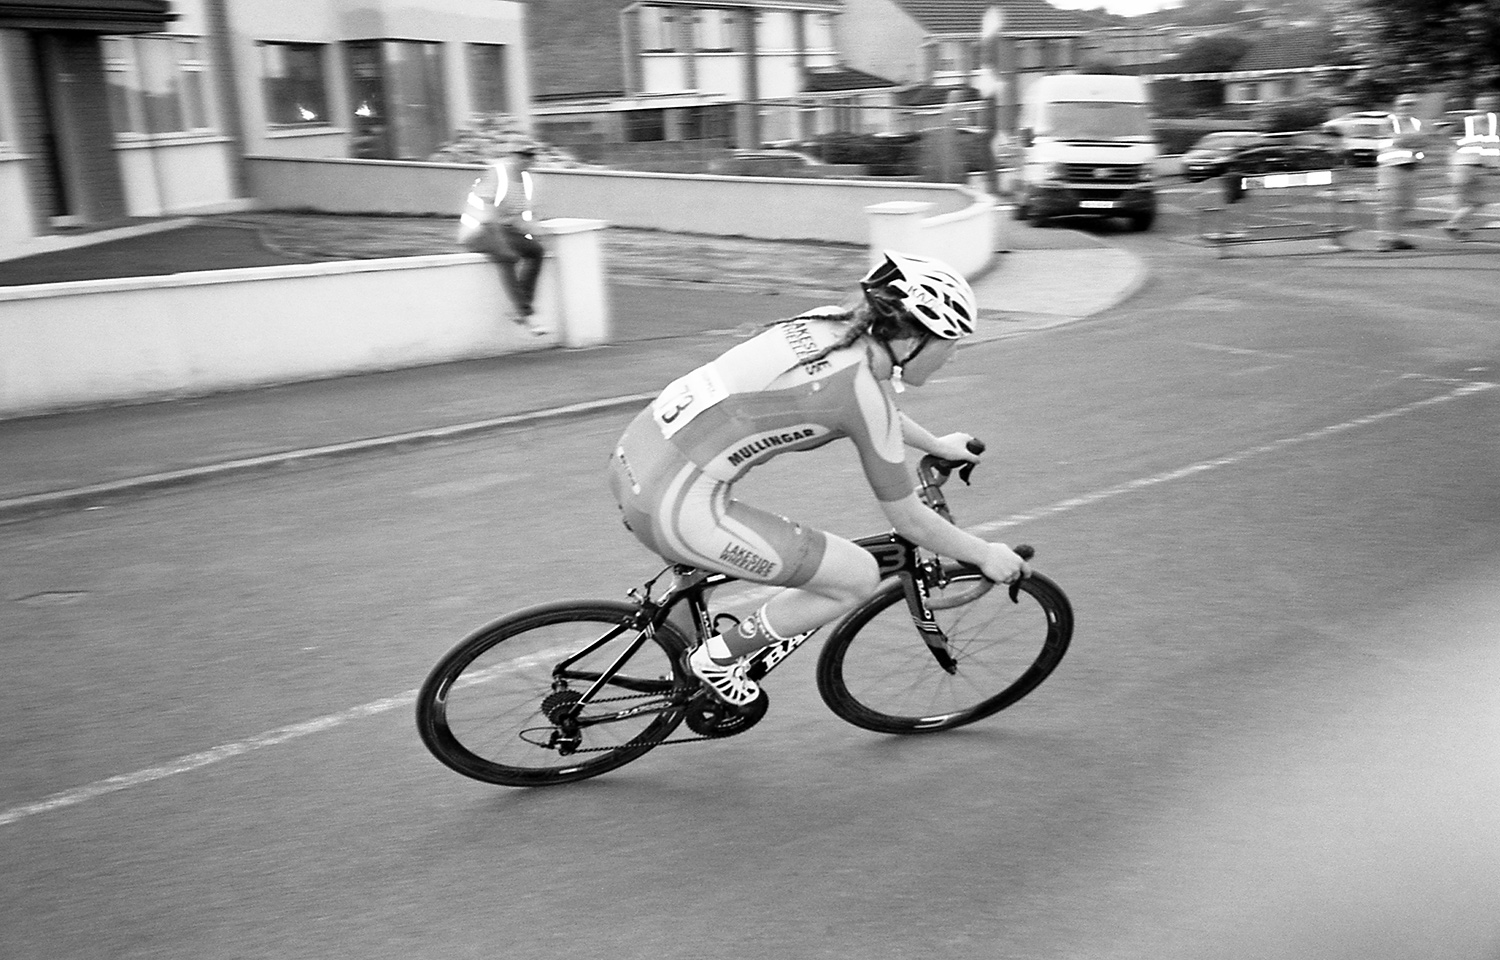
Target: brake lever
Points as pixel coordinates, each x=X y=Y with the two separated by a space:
x=1025 y=551
x=976 y=447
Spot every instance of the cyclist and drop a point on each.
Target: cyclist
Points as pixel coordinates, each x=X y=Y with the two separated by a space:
x=802 y=382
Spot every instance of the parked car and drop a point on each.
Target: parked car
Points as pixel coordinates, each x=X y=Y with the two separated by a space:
x=1205 y=159
x=1286 y=156
x=1363 y=135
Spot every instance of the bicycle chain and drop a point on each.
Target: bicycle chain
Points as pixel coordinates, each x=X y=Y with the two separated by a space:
x=657 y=743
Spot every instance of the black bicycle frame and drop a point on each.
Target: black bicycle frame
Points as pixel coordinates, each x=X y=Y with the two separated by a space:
x=895 y=556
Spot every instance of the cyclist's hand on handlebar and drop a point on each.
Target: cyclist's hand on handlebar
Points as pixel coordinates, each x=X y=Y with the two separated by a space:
x=958 y=446
x=1003 y=565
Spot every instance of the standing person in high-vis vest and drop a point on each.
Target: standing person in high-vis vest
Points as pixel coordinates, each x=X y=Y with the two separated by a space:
x=497 y=222
x=1396 y=174
x=1474 y=165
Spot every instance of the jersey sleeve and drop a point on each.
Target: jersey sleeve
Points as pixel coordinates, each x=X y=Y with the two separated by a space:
x=875 y=427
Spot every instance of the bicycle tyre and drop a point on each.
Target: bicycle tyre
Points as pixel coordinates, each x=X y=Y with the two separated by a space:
x=876 y=672
x=480 y=709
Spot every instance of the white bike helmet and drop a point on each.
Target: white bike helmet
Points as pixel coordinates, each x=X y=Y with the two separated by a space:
x=933 y=293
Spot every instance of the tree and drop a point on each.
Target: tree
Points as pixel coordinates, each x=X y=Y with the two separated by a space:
x=1415 y=45
x=1216 y=54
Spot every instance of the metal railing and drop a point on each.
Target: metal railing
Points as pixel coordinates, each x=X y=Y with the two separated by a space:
x=1296 y=205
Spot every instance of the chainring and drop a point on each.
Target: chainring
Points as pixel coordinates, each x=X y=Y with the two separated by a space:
x=708 y=716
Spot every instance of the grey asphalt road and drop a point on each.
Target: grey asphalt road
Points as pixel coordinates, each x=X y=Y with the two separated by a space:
x=1267 y=483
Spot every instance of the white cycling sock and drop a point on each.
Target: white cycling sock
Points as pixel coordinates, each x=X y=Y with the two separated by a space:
x=743 y=639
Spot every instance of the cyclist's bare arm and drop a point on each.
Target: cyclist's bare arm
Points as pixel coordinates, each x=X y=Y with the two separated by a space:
x=953 y=446
x=916 y=521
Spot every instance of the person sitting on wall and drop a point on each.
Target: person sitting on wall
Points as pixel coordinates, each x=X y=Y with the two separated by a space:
x=497 y=222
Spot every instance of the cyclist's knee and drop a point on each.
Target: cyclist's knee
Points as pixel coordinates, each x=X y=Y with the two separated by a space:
x=847 y=575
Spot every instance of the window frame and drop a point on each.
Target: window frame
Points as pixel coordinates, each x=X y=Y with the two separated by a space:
x=658 y=25
x=1030 y=55
x=7 y=134
x=481 y=86
x=150 y=64
x=821 y=24
x=320 y=52
x=726 y=29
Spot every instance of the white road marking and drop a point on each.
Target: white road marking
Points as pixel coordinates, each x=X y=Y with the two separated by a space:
x=1204 y=466
x=193 y=761
x=465 y=486
x=271 y=738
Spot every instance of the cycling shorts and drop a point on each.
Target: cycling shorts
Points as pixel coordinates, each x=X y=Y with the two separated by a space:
x=686 y=516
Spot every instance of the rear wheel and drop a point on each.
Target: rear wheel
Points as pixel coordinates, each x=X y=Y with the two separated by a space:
x=876 y=672
x=503 y=706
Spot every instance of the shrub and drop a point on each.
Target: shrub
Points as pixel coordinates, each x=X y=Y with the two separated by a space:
x=490 y=136
x=1301 y=115
x=882 y=155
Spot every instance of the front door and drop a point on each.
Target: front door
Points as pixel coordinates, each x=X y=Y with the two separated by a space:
x=80 y=177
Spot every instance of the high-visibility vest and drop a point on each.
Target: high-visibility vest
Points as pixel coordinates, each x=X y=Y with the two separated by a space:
x=1404 y=146
x=1480 y=143
x=509 y=203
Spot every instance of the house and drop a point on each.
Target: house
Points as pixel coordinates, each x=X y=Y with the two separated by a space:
x=120 y=109
x=751 y=72
x=1281 y=65
x=745 y=72
x=1127 y=47
x=932 y=47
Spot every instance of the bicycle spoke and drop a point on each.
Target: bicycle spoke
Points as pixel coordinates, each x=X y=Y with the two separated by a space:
x=502 y=706
x=877 y=672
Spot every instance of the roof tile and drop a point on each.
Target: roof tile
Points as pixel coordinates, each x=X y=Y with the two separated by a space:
x=1021 y=17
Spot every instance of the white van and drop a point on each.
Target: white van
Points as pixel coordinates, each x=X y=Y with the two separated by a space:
x=1086 y=150
x=1364 y=135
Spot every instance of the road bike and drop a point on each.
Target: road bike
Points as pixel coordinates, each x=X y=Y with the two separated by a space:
x=563 y=691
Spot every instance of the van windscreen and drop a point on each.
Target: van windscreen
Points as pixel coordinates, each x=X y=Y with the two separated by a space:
x=1095 y=120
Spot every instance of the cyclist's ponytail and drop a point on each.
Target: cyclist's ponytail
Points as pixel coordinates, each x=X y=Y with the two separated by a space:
x=861 y=318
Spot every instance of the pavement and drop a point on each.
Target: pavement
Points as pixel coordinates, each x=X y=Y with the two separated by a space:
x=676 y=301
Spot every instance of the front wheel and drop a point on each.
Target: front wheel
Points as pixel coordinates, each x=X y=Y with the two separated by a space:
x=505 y=705
x=876 y=671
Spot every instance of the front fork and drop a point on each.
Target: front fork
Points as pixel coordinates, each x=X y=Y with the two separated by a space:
x=915 y=585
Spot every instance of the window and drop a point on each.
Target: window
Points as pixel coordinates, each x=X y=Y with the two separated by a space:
x=1062 y=53
x=487 y=78
x=820 y=33
x=372 y=131
x=156 y=85
x=6 y=136
x=949 y=56
x=777 y=34
x=1029 y=54
x=716 y=30
x=417 y=97
x=645 y=125
x=657 y=25
x=295 y=89
x=1095 y=120
x=400 y=108
x=706 y=123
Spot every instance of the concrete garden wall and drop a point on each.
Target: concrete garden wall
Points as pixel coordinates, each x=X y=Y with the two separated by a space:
x=72 y=345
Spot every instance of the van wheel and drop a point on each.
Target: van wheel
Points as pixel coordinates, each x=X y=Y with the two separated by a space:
x=1020 y=211
x=1141 y=222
